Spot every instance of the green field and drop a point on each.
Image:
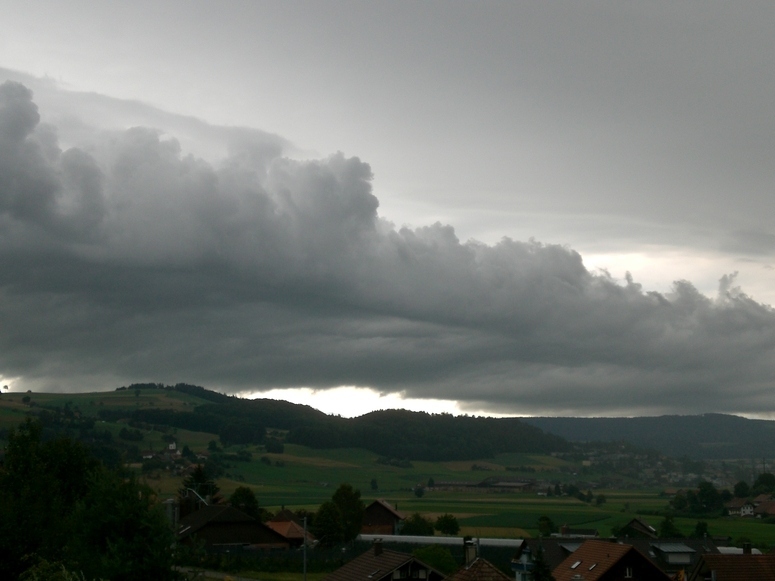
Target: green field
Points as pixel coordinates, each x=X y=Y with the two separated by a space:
x=301 y=477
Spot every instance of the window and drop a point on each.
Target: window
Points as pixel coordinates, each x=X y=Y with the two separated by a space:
x=628 y=573
x=576 y=564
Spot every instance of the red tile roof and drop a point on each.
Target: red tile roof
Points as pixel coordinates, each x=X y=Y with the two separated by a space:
x=593 y=557
x=289 y=529
x=736 y=567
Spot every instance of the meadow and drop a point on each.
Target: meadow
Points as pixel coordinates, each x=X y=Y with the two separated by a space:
x=301 y=477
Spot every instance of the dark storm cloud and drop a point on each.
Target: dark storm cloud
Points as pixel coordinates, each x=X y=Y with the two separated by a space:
x=129 y=260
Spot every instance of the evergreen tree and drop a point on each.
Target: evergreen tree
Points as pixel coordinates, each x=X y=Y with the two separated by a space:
x=196 y=487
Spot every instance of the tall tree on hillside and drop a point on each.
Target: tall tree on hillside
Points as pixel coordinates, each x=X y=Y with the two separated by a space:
x=351 y=508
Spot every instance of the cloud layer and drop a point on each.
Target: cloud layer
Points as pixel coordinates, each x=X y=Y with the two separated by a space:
x=127 y=259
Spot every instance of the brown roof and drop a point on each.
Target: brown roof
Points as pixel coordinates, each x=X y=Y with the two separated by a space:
x=286 y=515
x=766 y=507
x=594 y=558
x=736 y=567
x=220 y=513
x=387 y=507
x=479 y=570
x=374 y=565
x=555 y=550
x=737 y=503
x=638 y=526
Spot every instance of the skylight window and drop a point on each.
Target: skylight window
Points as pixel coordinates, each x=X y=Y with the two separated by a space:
x=576 y=564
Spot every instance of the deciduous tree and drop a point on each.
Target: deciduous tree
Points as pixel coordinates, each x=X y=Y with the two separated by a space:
x=447 y=524
x=351 y=508
x=244 y=499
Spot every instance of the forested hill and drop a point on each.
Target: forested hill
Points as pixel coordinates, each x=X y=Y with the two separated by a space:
x=394 y=434
x=422 y=436
x=707 y=436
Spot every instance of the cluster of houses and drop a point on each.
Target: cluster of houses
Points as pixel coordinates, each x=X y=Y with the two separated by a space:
x=570 y=555
x=585 y=560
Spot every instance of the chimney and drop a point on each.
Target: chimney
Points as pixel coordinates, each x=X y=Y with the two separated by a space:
x=470 y=553
x=564 y=530
x=377 y=544
x=746 y=548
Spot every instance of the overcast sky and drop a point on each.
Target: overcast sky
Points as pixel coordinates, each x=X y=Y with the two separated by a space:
x=560 y=208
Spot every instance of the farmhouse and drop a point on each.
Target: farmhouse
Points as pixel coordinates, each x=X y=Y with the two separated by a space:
x=739 y=507
x=380 y=518
x=222 y=527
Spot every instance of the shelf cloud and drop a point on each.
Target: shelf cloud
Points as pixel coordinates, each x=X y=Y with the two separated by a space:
x=125 y=258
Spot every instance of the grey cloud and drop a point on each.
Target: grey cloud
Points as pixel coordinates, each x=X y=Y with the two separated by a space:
x=133 y=261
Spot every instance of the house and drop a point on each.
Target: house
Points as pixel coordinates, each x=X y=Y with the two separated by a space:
x=740 y=507
x=669 y=555
x=222 y=527
x=378 y=564
x=639 y=529
x=287 y=524
x=764 y=497
x=380 y=518
x=765 y=508
x=744 y=567
x=674 y=555
x=597 y=560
